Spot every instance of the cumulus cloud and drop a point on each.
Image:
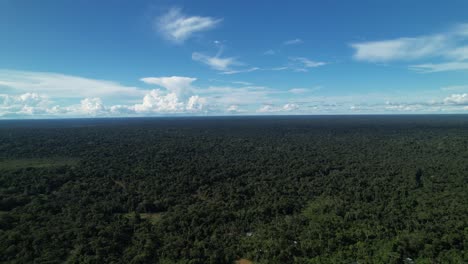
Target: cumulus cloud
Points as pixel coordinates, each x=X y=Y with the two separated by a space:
x=290 y=107
x=63 y=86
x=156 y=101
x=92 y=106
x=269 y=108
x=25 y=104
x=195 y=104
x=181 y=86
x=176 y=97
x=457 y=99
x=178 y=27
x=233 y=109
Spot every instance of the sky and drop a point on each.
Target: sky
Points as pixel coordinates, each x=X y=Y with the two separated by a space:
x=86 y=58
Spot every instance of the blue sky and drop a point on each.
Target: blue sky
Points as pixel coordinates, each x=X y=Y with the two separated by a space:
x=152 y=58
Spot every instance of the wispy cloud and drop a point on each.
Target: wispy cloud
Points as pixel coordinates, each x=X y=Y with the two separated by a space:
x=228 y=95
x=307 y=63
x=440 y=67
x=449 y=48
x=63 y=86
x=304 y=90
x=225 y=65
x=178 y=27
x=242 y=83
x=293 y=41
x=252 y=69
x=216 y=62
x=282 y=68
x=302 y=64
x=459 y=53
x=400 y=49
x=269 y=52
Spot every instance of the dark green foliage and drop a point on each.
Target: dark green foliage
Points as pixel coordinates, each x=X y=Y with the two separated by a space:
x=214 y=190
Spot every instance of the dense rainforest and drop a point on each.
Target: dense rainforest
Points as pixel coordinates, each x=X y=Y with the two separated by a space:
x=308 y=189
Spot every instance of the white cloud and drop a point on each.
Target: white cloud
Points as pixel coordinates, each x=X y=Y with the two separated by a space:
x=181 y=86
x=177 y=27
x=252 y=69
x=308 y=63
x=157 y=102
x=460 y=53
x=216 y=62
x=195 y=104
x=63 y=86
x=440 y=67
x=457 y=99
x=301 y=64
x=222 y=64
x=290 y=107
x=400 y=49
x=178 y=97
x=293 y=41
x=404 y=107
x=449 y=46
x=269 y=108
x=25 y=104
x=92 y=106
x=233 y=109
x=122 y=110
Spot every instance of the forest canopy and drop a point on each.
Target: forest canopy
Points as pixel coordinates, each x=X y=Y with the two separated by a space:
x=335 y=189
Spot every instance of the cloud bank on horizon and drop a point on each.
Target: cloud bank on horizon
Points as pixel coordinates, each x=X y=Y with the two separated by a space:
x=204 y=66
